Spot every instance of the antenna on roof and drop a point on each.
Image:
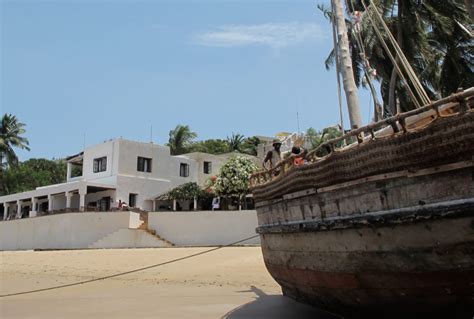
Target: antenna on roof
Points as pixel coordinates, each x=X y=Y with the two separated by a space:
x=298 y=120
x=151 y=133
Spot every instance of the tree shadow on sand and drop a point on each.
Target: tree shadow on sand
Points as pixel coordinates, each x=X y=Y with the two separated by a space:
x=275 y=306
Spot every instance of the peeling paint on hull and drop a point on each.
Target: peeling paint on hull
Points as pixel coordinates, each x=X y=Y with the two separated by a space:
x=351 y=273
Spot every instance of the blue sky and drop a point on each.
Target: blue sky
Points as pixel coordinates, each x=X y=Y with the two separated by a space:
x=105 y=69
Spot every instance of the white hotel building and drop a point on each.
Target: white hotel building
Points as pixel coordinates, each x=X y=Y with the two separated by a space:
x=115 y=171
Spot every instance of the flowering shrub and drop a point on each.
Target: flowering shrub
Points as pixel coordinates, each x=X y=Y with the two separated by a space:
x=186 y=191
x=233 y=178
x=209 y=185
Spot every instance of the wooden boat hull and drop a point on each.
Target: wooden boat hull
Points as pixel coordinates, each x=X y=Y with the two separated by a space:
x=385 y=227
x=423 y=266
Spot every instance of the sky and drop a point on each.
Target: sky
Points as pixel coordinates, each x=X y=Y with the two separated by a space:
x=79 y=72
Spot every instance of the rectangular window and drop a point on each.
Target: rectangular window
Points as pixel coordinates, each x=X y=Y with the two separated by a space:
x=100 y=164
x=144 y=164
x=184 y=170
x=207 y=167
x=132 y=200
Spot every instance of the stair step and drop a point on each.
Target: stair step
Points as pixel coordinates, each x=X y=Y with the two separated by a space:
x=130 y=238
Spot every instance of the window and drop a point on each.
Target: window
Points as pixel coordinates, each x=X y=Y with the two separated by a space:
x=144 y=164
x=207 y=167
x=184 y=170
x=132 y=200
x=100 y=164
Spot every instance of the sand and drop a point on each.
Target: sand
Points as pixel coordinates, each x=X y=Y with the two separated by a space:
x=228 y=283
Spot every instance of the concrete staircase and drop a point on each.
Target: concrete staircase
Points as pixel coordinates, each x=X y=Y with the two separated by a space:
x=139 y=236
x=144 y=226
x=130 y=238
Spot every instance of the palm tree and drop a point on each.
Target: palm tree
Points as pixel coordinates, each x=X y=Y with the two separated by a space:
x=452 y=41
x=314 y=138
x=235 y=142
x=11 y=132
x=10 y=137
x=250 y=145
x=180 y=139
x=433 y=38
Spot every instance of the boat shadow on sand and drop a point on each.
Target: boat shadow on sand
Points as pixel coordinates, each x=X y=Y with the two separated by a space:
x=275 y=306
x=281 y=307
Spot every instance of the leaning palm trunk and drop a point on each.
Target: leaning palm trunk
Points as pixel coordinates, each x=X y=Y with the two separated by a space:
x=350 y=87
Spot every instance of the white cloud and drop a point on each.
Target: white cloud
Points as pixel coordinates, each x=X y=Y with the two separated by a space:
x=276 y=35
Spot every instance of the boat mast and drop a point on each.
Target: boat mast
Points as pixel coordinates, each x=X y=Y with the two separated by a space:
x=347 y=73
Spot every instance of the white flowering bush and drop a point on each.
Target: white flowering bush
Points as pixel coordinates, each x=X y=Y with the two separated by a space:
x=233 y=177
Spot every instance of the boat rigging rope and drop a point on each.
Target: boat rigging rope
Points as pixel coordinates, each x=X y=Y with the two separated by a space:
x=411 y=73
x=423 y=96
x=127 y=272
x=390 y=55
x=366 y=65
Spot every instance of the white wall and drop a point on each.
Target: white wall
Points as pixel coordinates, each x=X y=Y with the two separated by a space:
x=108 y=149
x=205 y=228
x=145 y=188
x=135 y=220
x=164 y=173
x=164 y=167
x=63 y=231
x=216 y=162
x=131 y=150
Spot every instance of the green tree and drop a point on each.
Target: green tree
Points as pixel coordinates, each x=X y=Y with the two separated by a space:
x=235 y=142
x=11 y=131
x=33 y=173
x=433 y=37
x=211 y=146
x=315 y=138
x=233 y=177
x=250 y=145
x=180 y=139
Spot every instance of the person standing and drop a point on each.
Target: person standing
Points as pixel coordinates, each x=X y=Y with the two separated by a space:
x=273 y=156
x=216 y=203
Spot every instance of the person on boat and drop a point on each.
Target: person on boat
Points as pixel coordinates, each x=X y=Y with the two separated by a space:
x=273 y=156
x=298 y=154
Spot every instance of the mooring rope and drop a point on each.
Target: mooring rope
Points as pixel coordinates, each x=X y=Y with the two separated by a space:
x=127 y=272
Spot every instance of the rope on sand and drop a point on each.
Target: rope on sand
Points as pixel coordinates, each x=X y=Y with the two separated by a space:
x=127 y=272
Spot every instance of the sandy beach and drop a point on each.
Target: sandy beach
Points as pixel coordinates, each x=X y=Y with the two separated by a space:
x=228 y=283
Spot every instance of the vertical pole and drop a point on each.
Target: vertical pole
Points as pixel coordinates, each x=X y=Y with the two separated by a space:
x=5 y=211
x=82 y=201
x=347 y=72
x=18 y=209
x=50 y=203
x=69 y=171
x=33 y=212
x=68 y=201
